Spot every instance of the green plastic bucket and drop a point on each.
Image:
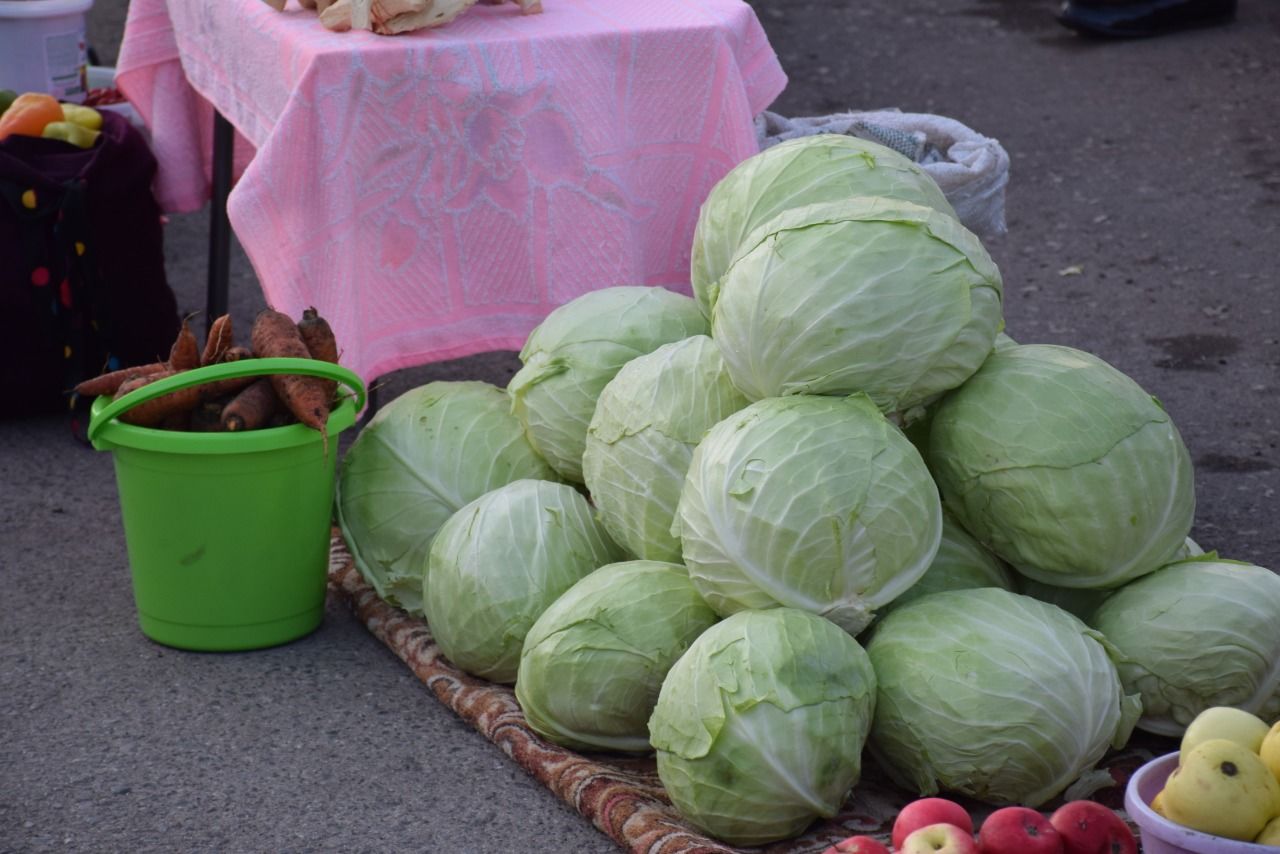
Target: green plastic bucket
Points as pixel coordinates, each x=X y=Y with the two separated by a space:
x=227 y=533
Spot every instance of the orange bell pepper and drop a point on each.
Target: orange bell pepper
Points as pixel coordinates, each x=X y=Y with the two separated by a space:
x=29 y=113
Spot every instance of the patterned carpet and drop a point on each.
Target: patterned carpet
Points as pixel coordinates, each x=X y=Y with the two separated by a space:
x=622 y=796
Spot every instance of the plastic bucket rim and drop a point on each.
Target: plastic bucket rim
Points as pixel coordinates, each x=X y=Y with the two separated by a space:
x=120 y=435
x=1168 y=833
x=106 y=431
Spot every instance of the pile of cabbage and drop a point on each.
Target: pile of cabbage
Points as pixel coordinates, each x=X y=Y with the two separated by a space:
x=822 y=510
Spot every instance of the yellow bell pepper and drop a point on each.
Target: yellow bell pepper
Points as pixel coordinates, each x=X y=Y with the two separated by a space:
x=78 y=135
x=86 y=117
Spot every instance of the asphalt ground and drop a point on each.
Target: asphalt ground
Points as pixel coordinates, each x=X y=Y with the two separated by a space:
x=1143 y=210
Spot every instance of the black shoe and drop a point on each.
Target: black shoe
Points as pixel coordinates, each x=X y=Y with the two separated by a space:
x=1143 y=17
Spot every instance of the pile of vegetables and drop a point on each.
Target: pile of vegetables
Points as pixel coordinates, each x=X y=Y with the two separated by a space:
x=392 y=17
x=40 y=114
x=240 y=403
x=823 y=509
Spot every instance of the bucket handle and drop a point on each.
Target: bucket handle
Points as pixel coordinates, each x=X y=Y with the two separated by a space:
x=227 y=371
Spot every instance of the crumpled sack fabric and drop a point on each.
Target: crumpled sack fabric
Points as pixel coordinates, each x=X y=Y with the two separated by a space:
x=971 y=169
x=391 y=17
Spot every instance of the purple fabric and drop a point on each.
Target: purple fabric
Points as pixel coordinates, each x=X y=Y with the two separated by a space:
x=82 y=286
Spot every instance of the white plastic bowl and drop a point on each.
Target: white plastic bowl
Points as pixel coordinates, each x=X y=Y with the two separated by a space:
x=1161 y=836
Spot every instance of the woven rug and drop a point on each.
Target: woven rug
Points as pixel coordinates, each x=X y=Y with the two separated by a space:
x=622 y=796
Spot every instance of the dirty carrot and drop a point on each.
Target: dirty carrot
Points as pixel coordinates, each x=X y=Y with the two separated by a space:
x=185 y=353
x=207 y=417
x=251 y=408
x=223 y=388
x=153 y=412
x=274 y=335
x=235 y=354
x=219 y=339
x=318 y=336
x=109 y=383
x=321 y=343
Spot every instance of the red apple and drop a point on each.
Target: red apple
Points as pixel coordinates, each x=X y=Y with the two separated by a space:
x=858 y=845
x=1088 y=827
x=1018 y=830
x=939 y=838
x=927 y=811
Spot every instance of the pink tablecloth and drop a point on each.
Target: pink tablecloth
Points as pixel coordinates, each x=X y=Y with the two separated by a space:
x=436 y=194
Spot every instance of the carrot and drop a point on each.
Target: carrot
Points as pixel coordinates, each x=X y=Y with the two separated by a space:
x=252 y=408
x=185 y=353
x=220 y=336
x=109 y=383
x=207 y=417
x=224 y=388
x=153 y=412
x=177 y=420
x=318 y=336
x=275 y=334
x=235 y=354
x=321 y=344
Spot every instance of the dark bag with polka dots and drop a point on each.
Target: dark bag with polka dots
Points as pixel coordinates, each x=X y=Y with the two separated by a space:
x=82 y=279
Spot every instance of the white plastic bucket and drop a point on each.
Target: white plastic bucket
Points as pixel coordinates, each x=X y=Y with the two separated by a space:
x=43 y=47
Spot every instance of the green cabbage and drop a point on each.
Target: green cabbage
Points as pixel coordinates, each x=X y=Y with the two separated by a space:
x=647 y=422
x=418 y=460
x=499 y=562
x=759 y=727
x=1084 y=601
x=798 y=172
x=807 y=502
x=1198 y=633
x=569 y=357
x=862 y=295
x=594 y=661
x=993 y=695
x=1078 y=601
x=1064 y=467
x=961 y=563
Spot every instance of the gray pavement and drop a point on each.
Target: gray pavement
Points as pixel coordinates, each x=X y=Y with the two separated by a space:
x=1153 y=167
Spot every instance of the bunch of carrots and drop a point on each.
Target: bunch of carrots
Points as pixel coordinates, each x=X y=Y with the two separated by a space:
x=243 y=403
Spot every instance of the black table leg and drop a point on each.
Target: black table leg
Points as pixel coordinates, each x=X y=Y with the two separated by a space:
x=219 y=226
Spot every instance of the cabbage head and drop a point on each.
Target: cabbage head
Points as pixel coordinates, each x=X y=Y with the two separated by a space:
x=993 y=695
x=1078 y=601
x=961 y=563
x=499 y=562
x=809 y=502
x=1084 y=601
x=1003 y=342
x=1197 y=633
x=418 y=460
x=570 y=356
x=1064 y=467
x=861 y=295
x=760 y=726
x=593 y=663
x=798 y=172
x=647 y=422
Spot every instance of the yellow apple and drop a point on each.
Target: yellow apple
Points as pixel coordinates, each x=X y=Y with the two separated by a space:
x=1224 y=722
x=1157 y=804
x=1222 y=787
x=1270 y=834
x=1270 y=750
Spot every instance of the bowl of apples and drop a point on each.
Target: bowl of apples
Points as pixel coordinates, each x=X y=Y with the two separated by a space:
x=1218 y=794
